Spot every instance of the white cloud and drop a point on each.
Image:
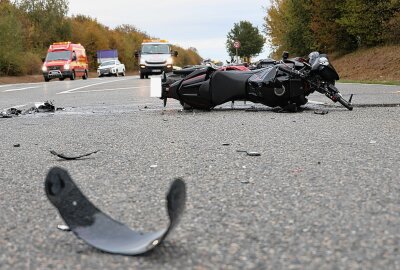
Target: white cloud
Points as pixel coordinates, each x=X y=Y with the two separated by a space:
x=201 y=24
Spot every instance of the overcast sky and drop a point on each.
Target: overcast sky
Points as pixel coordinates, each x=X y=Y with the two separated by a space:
x=202 y=24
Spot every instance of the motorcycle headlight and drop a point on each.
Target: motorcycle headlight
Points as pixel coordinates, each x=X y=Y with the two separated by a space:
x=324 y=61
x=66 y=66
x=44 y=68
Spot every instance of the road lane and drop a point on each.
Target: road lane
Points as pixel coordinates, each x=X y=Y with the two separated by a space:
x=322 y=195
x=132 y=90
x=91 y=85
x=62 y=92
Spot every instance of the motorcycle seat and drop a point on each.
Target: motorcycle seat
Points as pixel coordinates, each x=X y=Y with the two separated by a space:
x=233 y=82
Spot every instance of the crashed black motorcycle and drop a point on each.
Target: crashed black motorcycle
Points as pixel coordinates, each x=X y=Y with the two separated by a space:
x=285 y=83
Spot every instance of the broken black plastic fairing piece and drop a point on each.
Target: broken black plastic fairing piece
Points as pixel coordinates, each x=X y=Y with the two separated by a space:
x=98 y=229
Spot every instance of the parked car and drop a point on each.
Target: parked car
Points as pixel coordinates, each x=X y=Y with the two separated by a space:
x=112 y=67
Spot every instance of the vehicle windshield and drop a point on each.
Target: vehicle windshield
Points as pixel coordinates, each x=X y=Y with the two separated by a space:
x=155 y=49
x=59 y=55
x=107 y=63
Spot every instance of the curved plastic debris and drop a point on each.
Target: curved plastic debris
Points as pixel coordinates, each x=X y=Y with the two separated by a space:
x=99 y=230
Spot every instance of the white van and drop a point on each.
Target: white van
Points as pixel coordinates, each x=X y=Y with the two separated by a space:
x=155 y=57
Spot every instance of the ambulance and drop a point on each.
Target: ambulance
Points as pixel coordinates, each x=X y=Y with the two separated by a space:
x=155 y=57
x=65 y=60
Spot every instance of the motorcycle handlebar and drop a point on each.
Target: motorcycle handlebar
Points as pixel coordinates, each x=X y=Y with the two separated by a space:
x=337 y=97
x=334 y=93
x=345 y=103
x=291 y=72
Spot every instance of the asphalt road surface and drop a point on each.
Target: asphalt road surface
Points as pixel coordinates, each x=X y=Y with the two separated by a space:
x=324 y=194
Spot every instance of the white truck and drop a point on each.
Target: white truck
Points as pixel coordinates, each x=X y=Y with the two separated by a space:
x=155 y=57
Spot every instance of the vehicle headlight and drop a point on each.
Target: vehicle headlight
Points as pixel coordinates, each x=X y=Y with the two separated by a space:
x=44 y=68
x=170 y=60
x=324 y=61
x=66 y=66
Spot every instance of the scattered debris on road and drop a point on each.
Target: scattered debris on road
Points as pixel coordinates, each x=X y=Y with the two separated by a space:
x=98 y=229
x=226 y=144
x=37 y=107
x=73 y=157
x=17 y=145
x=153 y=166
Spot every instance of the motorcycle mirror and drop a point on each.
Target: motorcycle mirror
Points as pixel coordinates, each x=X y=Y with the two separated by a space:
x=285 y=55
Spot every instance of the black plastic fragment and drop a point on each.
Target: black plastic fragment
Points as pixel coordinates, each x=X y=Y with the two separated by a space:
x=321 y=112
x=99 y=230
x=47 y=106
x=72 y=158
x=249 y=153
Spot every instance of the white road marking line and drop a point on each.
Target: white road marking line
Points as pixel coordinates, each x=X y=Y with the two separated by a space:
x=18 y=84
x=20 y=89
x=111 y=89
x=316 y=102
x=90 y=85
x=370 y=84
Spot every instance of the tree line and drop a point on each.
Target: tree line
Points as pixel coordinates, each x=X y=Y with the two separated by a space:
x=340 y=26
x=28 y=27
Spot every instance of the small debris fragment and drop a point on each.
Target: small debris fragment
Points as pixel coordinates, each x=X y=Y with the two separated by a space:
x=63 y=228
x=4 y=115
x=226 y=144
x=253 y=154
x=72 y=158
x=249 y=153
x=321 y=112
x=319 y=162
x=47 y=106
x=17 y=145
x=245 y=182
x=372 y=142
x=145 y=107
x=153 y=166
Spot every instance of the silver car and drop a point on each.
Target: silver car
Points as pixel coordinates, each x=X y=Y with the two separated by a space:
x=111 y=68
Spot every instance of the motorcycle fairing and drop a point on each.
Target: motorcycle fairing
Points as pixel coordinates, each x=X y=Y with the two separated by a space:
x=273 y=87
x=234 y=82
x=98 y=229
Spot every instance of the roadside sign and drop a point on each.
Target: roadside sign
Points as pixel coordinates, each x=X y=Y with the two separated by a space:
x=236 y=44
